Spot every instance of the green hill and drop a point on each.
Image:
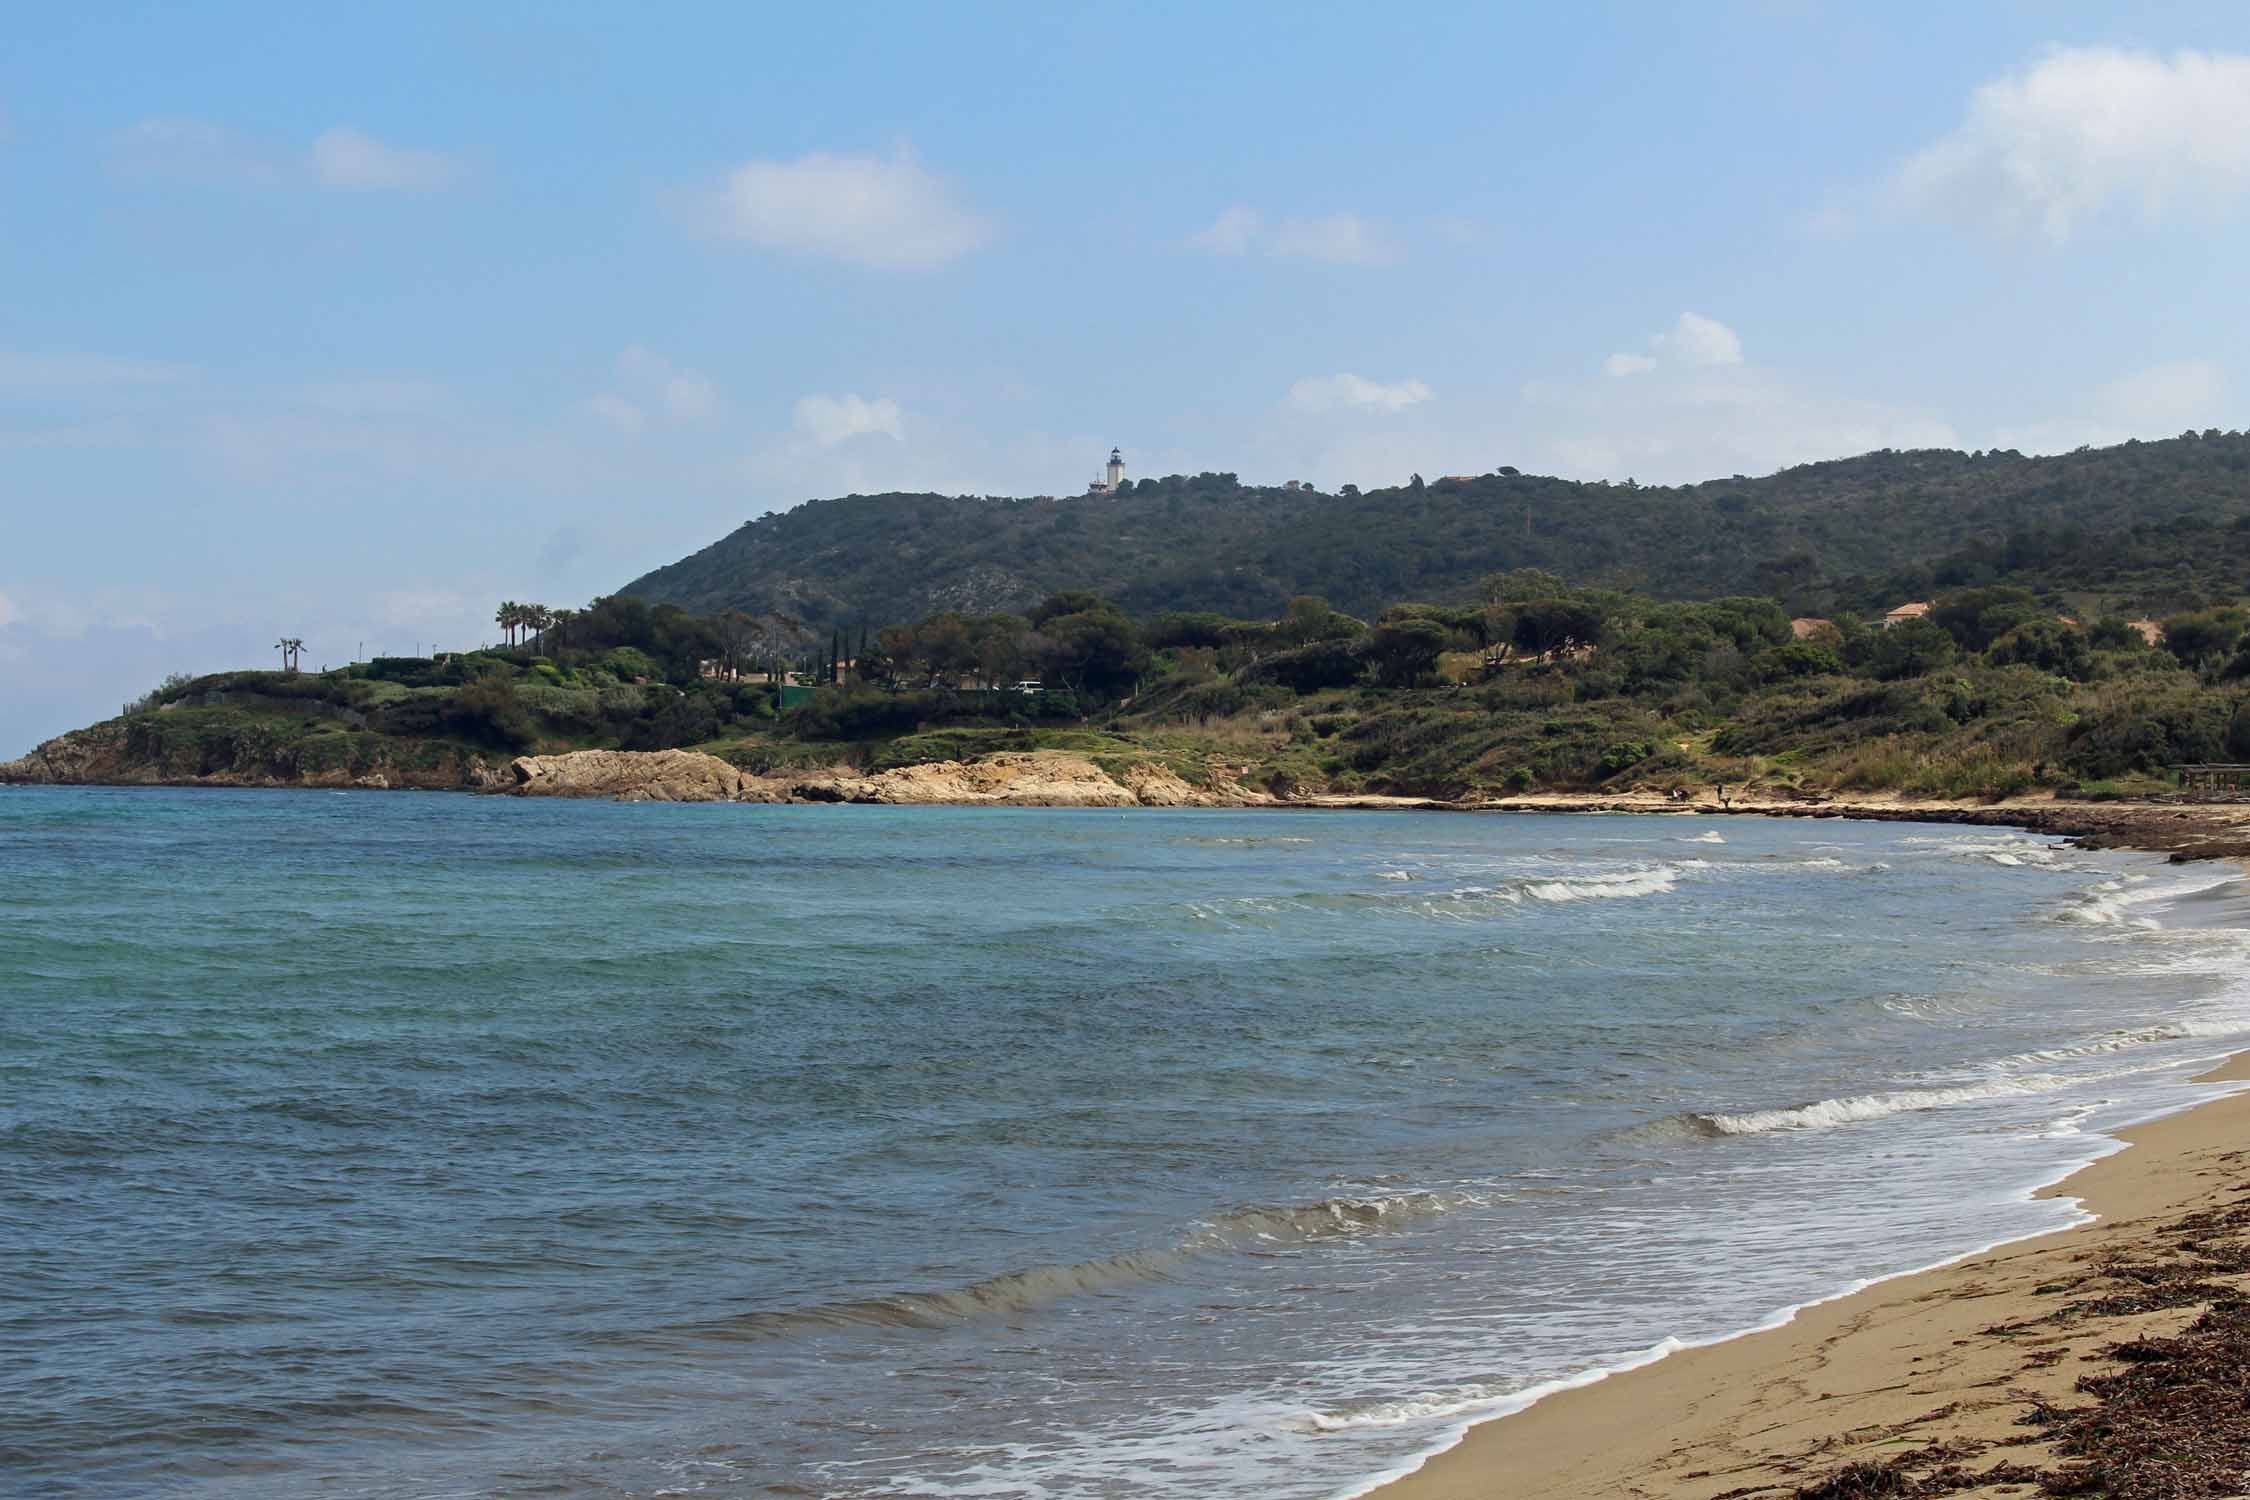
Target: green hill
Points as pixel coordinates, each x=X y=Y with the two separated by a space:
x=2153 y=527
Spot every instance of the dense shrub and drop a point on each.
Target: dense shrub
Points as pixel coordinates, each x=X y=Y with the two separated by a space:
x=1308 y=669
x=488 y=712
x=2142 y=729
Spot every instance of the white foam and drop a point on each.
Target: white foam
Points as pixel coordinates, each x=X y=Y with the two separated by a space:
x=1860 y=1107
x=1603 y=887
x=2143 y=1036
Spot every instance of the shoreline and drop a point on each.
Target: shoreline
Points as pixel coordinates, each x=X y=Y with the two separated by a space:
x=2185 y=831
x=1946 y=1373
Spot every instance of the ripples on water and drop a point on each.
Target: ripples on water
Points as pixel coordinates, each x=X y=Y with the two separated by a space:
x=418 y=1145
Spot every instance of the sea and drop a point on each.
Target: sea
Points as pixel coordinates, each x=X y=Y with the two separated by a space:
x=420 y=1145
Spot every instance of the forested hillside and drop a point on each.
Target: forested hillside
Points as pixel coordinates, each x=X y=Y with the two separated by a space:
x=2144 y=527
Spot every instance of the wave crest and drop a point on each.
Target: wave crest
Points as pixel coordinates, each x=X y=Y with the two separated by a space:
x=1038 y=1286
x=1822 y=1113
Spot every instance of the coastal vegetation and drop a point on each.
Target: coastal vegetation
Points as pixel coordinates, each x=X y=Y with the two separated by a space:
x=1536 y=684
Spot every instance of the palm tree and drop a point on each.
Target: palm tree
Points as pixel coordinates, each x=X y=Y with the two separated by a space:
x=289 y=646
x=506 y=617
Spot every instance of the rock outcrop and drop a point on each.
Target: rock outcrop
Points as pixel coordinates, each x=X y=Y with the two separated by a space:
x=637 y=776
x=84 y=757
x=1036 y=778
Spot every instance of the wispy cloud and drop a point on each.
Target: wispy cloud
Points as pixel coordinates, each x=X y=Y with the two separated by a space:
x=829 y=420
x=2159 y=401
x=1333 y=239
x=348 y=159
x=38 y=373
x=655 y=388
x=199 y=153
x=889 y=213
x=2050 y=146
x=1693 y=339
x=1348 y=392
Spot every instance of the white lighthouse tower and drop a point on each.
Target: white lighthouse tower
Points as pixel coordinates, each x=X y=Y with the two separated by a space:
x=1114 y=475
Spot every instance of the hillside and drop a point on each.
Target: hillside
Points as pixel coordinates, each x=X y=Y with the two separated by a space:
x=2143 y=527
x=1540 y=688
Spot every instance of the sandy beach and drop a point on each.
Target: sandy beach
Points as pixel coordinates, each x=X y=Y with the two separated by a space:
x=1964 y=1380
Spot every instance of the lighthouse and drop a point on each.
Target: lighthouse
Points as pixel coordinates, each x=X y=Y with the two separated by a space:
x=1114 y=475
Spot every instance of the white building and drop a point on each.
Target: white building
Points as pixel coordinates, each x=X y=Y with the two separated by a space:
x=1112 y=476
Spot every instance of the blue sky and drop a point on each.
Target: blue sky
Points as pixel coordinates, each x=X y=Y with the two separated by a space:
x=347 y=323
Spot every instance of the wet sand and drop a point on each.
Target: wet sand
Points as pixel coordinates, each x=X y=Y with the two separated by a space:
x=1921 y=1385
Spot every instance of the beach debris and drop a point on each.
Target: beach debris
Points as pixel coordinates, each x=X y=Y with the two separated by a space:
x=2169 y=1412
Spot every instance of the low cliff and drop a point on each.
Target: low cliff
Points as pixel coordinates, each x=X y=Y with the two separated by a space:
x=1039 y=778
x=149 y=751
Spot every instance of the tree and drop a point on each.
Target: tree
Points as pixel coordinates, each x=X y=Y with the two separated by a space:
x=2195 y=638
x=1975 y=618
x=1093 y=651
x=1545 y=626
x=2049 y=645
x=1520 y=584
x=1405 y=651
x=1911 y=648
x=1311 y=618
x=289 y=646
x=737 y=632
x=1069 y=602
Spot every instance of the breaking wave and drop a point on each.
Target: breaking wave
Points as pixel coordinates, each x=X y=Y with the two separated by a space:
x=1244 y=1229
x=1606 y=886
x=1861 y=1107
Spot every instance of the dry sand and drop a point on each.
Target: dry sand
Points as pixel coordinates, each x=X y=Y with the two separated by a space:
x=1913 y=1374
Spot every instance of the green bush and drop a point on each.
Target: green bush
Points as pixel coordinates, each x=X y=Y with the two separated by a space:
x=488 y=712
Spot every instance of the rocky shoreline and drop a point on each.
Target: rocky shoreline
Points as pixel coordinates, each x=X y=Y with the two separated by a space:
x=1054 y=778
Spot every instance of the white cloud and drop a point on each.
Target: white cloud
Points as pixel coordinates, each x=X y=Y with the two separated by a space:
x=2158 y=402
x=687 y=396
x=1334 y=239
x=656 y=384
x=2050 y=146
x=1685 y=422
x=199 y=153
x=889 y=213
x=1693 y=340
x=618 y=412
x=344 y=158
x=1700 y=341
x=1230 y=234
x=45 y=373
x=829 y=420
x=1339 y=239
x=1324 y=393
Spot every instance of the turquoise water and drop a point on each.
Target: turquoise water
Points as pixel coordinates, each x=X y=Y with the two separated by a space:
x=416 y=1145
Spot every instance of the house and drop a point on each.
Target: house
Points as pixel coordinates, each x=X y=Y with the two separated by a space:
x=1919 y=610
x=1810 y=627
